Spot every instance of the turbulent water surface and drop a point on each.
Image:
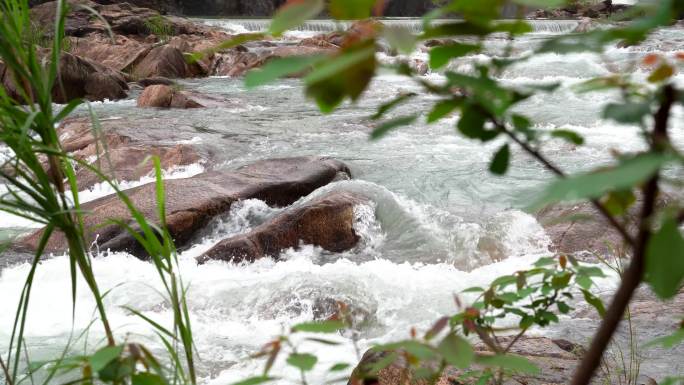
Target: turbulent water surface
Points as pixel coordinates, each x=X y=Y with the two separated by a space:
x=439 y=222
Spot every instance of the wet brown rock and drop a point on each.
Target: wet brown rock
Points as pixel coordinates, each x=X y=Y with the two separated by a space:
x=81 y=78
x=578 y=228
x=130 y=163
x=326 y=222
x=78 y=21
x=156 y=81
x=585 y=25
x=120 y=53
x=238 y=62
x=163 y=96
x=104 y=86
x=116 y=155
x=163 y=61
x=556 y=366
x=235 y=63
x=78 y=78
x=192 y=202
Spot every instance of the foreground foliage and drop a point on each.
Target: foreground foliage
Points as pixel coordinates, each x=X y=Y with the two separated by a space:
x=40 y=185
x=634 y=182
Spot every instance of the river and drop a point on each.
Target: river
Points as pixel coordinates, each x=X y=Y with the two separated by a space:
x=435 y=207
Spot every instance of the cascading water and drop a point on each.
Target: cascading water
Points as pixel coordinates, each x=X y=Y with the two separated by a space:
x=438 y=222
x=413 y=25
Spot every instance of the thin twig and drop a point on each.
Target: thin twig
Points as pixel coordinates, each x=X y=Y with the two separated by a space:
x=634 y=273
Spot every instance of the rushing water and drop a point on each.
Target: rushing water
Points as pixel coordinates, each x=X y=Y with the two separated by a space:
x=439 y=222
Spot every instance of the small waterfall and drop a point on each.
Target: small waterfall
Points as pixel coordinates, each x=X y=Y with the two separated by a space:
x=412 y=24
x=554 y=26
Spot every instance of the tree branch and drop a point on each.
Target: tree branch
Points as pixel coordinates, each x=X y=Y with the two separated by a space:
x=554 y=169
x=634 y=273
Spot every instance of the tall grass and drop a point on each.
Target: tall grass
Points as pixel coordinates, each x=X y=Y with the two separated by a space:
x=41 y=185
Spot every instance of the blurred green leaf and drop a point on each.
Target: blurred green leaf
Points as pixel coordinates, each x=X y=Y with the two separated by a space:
x=351 y=9
x=473 y=290
x=104 y=356
x=230 y=43
x=389 y=125
x=319 y=326
x=294 y=14
x=461 y=28
x=510 y=362
x=400 y=38
x=303 y=361
x=345 y=75
x=255 y=380
x=663 y=72
x=440 y=55
x=584 y=282
x=595 y=302
x=418 y=349
x=665 y=260
x=335 y=66
x=456 y=351
x=280 y=67
x=570 y=136
x=541 y=3
x=442 y=109
x=385 y=107
x=617 y=202
x=628 y=113
x=147 y=379
x=338 y=367
x=517 y=27
x=501 y=159
x=625 y=175
x=668 y=342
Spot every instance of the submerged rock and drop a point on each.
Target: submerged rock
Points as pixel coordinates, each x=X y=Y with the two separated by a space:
x=579 y=228
x=327 y=222
x=192 y=202
x=117 y=155
x=157 y=80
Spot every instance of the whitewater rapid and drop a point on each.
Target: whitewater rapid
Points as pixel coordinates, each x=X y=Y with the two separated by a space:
x=438 y=222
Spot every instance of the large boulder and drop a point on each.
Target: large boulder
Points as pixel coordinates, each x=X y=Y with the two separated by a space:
x=78 y=21
x=82 y=78
x=192 y=202
x=120 y=53
x=78 y=78
x=163 y=61
x=326 y=222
